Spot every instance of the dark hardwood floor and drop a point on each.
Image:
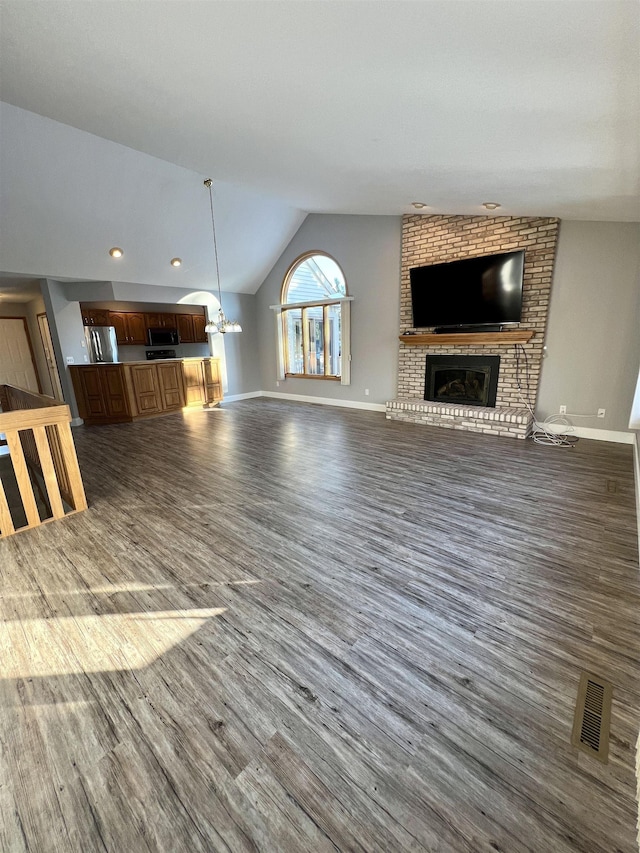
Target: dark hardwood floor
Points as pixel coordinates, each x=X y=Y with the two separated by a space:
x=284 y=627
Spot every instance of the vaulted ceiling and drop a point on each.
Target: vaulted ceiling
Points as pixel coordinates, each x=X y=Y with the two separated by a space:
x=353 y=107
x=331 y=107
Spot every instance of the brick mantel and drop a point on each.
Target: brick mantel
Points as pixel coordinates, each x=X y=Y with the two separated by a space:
x=440 y=239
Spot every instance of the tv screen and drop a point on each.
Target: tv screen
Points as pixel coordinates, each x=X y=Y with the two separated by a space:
x=471 y=292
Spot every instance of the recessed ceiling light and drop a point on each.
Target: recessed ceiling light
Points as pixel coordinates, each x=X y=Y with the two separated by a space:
x=116 y=252
x=175 y=262
x=490 y=205
x=419 y=205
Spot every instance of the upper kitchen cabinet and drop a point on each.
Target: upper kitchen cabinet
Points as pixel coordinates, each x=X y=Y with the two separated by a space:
x=191 y=328
x=160 y=320
x=199 y=334
x=185 y=328
x=94 y=316
x=130 y=326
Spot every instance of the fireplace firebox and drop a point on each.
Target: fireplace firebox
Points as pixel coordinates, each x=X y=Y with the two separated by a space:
x=469 y=379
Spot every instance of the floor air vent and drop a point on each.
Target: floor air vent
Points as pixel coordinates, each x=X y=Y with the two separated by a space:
x=593 y=717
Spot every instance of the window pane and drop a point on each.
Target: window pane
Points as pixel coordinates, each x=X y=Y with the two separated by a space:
x=317 y=277
x=293 y=327
x=334 y=322
x=315 y=326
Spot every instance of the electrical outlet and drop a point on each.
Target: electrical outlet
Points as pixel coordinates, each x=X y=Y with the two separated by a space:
x=277 y=384
x=563 y=410
x=70 y=359
x=366 y=392
x=602 y=413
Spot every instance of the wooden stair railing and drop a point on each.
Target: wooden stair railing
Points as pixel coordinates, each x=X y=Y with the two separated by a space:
x=37 y=431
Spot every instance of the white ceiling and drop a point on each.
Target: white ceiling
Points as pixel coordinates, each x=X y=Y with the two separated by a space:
x=353 y=107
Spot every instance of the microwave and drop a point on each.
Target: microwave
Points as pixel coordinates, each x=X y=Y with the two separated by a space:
x=163 y=337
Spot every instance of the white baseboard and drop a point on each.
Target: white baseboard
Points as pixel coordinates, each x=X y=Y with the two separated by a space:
x=231 y=398
x=619 y=436
x=325 y=401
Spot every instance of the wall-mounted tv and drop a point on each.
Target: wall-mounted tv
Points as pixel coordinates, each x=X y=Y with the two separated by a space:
x=470 y=292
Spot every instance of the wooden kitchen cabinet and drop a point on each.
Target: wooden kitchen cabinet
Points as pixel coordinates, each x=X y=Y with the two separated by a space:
x=202 y=381
x=131 y=327
x=87 y=385
x=118 y=321
x=144 y=388
x=191 y=328
x=194 y=385
x=156 y=386
x=185 y=328
x=160 y=320
x=121 y=392
x=199 y=334
x=114 y=390
x=170 y=379
x=137 y=329
x=94 y=316
x=100 y=393
x=212 y=379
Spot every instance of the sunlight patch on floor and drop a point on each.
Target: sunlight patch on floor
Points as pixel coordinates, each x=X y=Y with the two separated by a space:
x=94 y=643
x=113 y=589
x=107 y=589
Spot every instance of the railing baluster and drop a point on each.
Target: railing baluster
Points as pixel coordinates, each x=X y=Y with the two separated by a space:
x=73 y=469
x=6 y=522
x=48 y=471
x=22 y=476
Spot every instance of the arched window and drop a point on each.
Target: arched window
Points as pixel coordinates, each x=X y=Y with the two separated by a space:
x=314 y=320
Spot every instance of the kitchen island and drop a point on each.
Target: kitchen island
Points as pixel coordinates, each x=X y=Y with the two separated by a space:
x=121 y=392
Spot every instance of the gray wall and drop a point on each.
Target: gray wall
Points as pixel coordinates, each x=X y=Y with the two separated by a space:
x=368 y=250
x=593 y=340
x=243 y=356
x=67 y=334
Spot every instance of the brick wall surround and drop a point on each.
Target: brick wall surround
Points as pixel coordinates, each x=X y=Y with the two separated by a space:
x=440 y=239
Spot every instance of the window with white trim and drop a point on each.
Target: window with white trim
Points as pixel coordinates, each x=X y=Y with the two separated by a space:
x=313 y=320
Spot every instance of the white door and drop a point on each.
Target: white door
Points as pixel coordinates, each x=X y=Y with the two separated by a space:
x=16 y=363
x=49 y=354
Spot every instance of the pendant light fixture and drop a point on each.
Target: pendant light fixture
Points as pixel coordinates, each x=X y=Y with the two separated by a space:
x=221 y=325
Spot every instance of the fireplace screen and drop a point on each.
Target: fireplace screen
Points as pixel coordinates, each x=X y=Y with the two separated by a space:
x=466 y=379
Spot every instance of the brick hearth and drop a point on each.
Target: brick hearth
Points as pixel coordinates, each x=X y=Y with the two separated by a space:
x=511 y=423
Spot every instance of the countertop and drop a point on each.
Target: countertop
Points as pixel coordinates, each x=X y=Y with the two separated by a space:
x=145 y=361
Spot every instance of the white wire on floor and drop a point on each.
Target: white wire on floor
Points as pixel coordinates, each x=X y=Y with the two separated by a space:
x=540 y=433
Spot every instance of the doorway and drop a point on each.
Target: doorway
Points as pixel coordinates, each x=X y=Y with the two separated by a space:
x=17 y=364
x=50 y=357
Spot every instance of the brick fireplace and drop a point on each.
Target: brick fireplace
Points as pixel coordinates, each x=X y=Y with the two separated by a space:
x=440 y=239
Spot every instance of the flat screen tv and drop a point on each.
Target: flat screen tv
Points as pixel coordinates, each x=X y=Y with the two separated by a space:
x=470 y=292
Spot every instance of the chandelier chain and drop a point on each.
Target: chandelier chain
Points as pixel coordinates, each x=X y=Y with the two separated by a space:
x=222 y=325
x=208 y=183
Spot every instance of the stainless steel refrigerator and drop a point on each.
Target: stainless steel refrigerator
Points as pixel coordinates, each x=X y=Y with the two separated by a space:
x=102 y=345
